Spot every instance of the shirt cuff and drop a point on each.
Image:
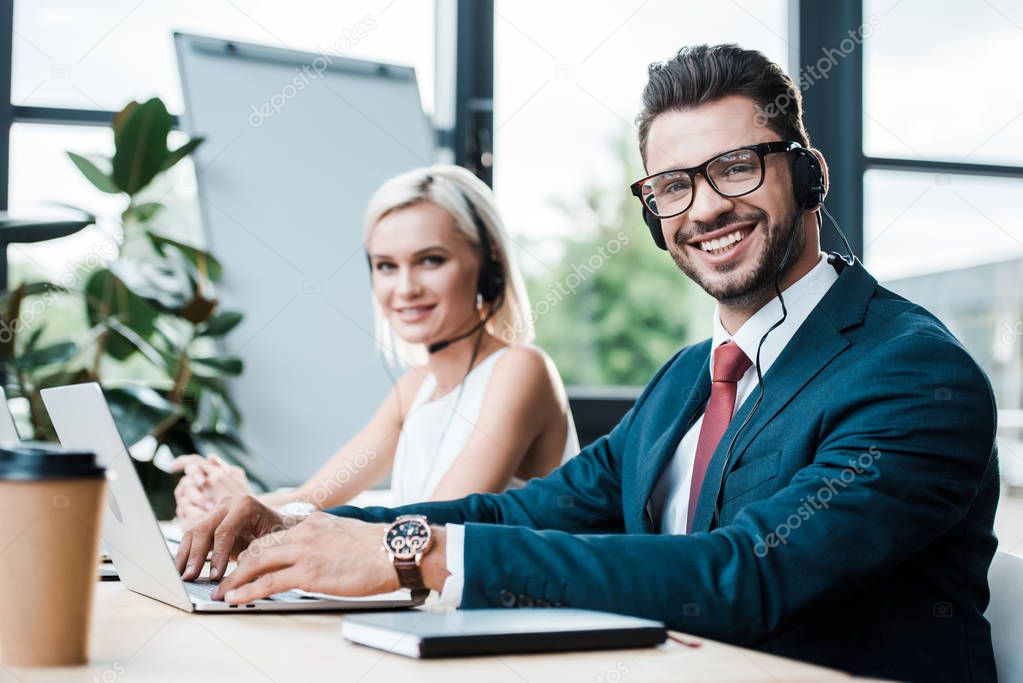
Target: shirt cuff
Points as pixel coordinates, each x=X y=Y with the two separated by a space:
x=451 y=594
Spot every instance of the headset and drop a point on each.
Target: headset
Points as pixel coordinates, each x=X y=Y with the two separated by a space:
x=490 y=284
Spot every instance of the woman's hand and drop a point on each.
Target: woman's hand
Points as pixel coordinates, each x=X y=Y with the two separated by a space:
x=207 y=481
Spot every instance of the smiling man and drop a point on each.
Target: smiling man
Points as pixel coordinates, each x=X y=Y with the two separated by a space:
x=817 y=480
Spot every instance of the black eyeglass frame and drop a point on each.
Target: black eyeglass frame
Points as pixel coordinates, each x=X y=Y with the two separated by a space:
x=762 y=149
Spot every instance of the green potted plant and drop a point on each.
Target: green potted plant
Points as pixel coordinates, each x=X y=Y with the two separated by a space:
x=156 y=300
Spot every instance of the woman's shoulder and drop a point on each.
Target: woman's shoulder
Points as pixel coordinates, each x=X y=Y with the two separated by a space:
x=524 y=358
x=528 y=366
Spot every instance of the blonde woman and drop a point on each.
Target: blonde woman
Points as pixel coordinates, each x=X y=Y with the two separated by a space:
x=480 y=409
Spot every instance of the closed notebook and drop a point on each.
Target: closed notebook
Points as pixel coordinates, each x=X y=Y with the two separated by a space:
x=424 y=633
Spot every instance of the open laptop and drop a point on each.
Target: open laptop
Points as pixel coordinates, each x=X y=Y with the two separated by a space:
x=130 y=531
x=8 y=432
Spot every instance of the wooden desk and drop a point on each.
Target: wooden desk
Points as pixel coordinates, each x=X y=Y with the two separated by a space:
x=138 y=639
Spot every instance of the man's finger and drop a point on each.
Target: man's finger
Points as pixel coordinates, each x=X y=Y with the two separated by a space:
x=252 y=565
x=232 y=535
x=201 y=537
x=181 y=559
x=266 y=585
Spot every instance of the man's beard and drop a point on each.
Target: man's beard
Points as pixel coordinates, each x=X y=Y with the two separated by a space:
x=743 y=290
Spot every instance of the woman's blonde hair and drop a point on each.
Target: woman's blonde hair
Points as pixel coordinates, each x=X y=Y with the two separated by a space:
x=450 y=187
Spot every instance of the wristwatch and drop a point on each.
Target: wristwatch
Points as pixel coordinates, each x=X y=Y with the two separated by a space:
x=406 y=541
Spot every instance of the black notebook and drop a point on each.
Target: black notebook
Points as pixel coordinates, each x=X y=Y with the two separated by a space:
x=425 y=633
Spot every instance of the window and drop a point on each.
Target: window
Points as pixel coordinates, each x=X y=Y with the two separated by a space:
x=943 y=139
x=568 y=78
x=99 y=56
x=937 y=95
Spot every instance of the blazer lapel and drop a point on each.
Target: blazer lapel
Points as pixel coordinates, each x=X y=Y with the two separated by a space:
x=814 y=345
x=690 y=403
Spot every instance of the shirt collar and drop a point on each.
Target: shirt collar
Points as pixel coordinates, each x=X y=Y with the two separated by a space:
x=801 y=297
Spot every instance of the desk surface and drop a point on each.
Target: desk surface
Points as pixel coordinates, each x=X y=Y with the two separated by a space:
x=138 y=639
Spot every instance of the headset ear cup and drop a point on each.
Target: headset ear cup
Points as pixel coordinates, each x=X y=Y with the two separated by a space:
x=491 y=281
x=807 y=179
x=654 y=223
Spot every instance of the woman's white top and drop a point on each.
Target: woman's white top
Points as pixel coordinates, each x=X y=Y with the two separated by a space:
x=436 y=431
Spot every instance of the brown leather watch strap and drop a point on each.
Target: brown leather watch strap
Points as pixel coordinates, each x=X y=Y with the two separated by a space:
x=409 y=574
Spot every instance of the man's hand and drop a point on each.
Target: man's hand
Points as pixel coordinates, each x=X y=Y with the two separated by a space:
x=228 y=530
x=323 y=554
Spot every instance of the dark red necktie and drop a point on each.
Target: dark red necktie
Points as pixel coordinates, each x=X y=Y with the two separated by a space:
x=730 y=364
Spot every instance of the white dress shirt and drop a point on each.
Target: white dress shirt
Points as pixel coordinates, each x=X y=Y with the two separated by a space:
x=669 y=501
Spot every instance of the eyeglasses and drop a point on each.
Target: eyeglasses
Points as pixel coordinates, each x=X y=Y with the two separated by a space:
x=732 y=174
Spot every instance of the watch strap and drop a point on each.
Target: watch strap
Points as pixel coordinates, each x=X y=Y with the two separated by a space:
x=409 y=574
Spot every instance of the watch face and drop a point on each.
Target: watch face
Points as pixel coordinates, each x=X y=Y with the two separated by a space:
x=407 y=538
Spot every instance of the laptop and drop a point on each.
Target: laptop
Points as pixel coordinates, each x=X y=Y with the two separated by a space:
x=8 y=432
x=132 y=536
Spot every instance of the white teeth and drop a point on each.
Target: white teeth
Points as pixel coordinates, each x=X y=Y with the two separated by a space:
x=721 y=242
x=413 y=312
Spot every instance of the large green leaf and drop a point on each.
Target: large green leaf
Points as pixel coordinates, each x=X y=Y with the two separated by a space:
x=106 y=296
x=216 y=400
x=201 y=260
x=48 y=355
x=219 y=365
x=140 y=141
x=92 y=172
x=181 y=152
x=162 y=283
x=158 y=357
x=220 y=324
x=33 y=339
x=138 y=410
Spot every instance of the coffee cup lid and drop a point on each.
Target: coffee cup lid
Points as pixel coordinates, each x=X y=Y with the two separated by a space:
x=31 y=460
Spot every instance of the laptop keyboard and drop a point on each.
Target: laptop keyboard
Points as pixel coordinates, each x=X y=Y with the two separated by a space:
x=202 y=589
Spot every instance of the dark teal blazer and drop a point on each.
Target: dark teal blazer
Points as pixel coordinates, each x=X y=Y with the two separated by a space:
x=855 y=521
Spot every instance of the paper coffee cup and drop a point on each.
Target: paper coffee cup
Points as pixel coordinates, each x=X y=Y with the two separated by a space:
x=50 y=505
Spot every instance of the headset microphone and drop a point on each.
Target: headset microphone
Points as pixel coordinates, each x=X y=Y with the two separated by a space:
x=441 y=345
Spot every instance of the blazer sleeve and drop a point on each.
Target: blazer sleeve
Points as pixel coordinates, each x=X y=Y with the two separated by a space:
x=582 y=496
x=904 y=468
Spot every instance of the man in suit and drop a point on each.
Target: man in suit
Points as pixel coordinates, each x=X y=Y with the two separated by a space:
x=818 y=480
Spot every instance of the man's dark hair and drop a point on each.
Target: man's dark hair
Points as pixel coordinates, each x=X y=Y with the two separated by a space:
x=704 y=73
